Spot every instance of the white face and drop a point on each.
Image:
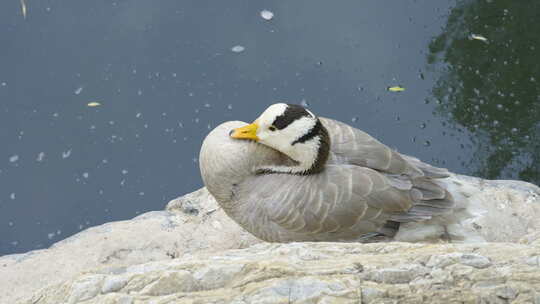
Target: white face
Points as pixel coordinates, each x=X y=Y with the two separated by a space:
x=282 y=139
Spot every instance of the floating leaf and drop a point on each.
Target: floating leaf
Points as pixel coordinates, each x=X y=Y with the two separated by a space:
x=23 y=8
x=478 y=37
x=396 y=89
x=93 y=104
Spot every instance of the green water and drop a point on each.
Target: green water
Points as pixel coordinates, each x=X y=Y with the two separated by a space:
x=491 y=88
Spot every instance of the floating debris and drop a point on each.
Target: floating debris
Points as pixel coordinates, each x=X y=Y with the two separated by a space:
x=66 y=154
x=396 y=89
x=478 y=37
x=40 y=156
x=23 y=8
x=267 y=15
x=238 y=49
x=94 y=104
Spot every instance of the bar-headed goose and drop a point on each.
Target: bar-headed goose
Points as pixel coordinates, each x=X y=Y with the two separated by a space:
x=293 y=176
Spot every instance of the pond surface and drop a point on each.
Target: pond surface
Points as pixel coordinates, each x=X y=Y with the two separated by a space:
x=103 y=105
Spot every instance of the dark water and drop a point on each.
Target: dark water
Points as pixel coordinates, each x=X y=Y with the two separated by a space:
x=164 y=74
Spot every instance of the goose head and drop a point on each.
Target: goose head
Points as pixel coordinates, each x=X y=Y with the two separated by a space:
x=292 y=130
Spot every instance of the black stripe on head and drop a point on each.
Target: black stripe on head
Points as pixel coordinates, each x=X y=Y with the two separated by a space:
x=292 y=113
x=314 y=131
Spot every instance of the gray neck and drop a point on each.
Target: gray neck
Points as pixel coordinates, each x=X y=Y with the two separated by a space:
x=225 y=162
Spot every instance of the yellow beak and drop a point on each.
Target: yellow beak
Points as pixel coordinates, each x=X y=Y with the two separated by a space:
x=247 y=132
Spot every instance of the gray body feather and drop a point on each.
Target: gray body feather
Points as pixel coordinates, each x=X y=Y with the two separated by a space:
x=364 y=188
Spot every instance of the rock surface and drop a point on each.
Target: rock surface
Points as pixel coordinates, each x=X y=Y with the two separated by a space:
x=320 y=273
x=189 y=254
x=193 y=223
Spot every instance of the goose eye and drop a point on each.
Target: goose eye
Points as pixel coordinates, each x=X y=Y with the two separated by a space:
x=272 y=128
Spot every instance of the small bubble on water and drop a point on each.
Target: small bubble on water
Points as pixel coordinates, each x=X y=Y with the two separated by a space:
x=13 y=158
x=354 y=119
x=50 y=235
x=422 y=126
x=85 y=174
x=207 y=105
x=78 y=90
x=10 y=224
x=3 y=84
x=124 y=171
x=139 y=92
x=141 y=193
x=229 y=107
x=12 y=196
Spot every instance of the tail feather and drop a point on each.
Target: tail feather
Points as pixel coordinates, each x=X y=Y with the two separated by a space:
x=481 y=210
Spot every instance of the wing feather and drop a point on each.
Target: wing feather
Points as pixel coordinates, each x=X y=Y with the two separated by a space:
x=338 y=200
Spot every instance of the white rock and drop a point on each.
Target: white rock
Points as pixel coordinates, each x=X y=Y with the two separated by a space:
x=263 y=274
x=153 y=236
